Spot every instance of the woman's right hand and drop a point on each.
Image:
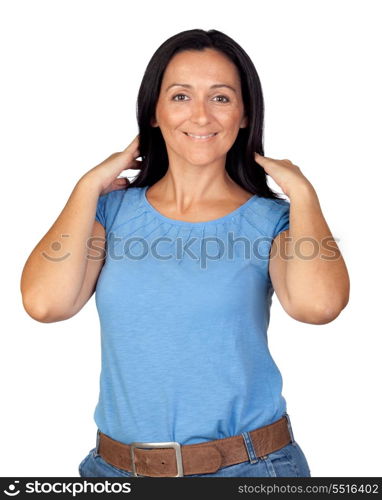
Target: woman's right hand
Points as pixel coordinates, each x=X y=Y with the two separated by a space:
x=105 y=174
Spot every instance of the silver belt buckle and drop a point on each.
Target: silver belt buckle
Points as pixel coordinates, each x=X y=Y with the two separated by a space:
x=170 y=444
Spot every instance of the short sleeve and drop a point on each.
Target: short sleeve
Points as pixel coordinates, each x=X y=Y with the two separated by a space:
x=282 y=223
x=108 y=206
x=100 y=212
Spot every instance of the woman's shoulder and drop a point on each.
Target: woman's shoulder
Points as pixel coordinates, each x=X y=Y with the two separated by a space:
x=119 y=195
x=263 y=215
x=110 y=204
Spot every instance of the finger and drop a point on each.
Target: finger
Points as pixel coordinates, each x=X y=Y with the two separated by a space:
x=136 y=165
x=122 y=180
x=262 y=159
x=259 y=156
x=134 y=144
x=135 y=153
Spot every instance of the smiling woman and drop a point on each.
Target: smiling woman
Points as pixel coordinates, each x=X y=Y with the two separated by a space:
x=198 y=83
x=204 y=114
x=199 y=320
x=200 y=128
x=188 y=386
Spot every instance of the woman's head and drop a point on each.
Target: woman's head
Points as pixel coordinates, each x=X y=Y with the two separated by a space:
x=189 y=103
x=236 y=113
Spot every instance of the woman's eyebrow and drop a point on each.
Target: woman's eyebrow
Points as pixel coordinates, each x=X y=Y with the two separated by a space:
x=217 y=85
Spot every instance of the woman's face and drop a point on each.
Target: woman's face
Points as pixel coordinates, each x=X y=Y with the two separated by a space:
x=200 y=104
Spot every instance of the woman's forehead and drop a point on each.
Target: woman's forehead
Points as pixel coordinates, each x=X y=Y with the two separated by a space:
x=192 y=66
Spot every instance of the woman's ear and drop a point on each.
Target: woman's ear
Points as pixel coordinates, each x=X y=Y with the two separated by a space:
x=153 y=122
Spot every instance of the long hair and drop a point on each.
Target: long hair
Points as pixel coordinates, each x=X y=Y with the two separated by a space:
x=240 y=163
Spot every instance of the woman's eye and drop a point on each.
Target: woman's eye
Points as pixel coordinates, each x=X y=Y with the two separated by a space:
x=224 y=97
x=177 y=95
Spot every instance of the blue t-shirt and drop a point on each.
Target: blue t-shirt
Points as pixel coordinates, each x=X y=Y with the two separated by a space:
x=184 y=312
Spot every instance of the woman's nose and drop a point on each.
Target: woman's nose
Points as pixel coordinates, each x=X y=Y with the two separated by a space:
x=200 y=112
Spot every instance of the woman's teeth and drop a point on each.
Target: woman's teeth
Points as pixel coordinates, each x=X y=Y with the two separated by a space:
x=200 y=136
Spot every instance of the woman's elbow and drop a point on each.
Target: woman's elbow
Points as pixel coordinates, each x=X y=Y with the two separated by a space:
x=40 y=313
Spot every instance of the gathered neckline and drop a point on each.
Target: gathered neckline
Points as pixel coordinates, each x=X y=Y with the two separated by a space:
x=219 y=220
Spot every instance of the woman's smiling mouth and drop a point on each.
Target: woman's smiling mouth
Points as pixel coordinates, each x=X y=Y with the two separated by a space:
x=202 y=138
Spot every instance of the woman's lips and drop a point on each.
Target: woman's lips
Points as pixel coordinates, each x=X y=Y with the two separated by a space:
x=201 y=139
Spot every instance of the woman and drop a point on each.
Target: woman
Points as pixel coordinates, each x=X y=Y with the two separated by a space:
x=185 y=264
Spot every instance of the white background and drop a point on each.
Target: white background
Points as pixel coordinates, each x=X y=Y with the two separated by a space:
x=70 y=76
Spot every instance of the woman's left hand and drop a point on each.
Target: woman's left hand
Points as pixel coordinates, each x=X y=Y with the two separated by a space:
x=287 y=175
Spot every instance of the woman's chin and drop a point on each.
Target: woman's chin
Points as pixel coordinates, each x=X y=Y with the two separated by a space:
x=203 y=157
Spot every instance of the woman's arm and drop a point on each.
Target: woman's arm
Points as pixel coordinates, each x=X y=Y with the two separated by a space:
x=59 y=277
x=54 y=273
x=315 y=278
x=307 y=269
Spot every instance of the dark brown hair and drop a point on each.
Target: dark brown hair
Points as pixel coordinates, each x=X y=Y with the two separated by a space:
x=240 y=163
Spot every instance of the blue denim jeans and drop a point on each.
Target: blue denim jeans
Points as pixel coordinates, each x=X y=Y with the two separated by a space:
x=288 y=461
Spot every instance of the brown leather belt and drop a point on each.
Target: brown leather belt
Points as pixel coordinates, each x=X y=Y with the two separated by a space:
x=173 y=460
